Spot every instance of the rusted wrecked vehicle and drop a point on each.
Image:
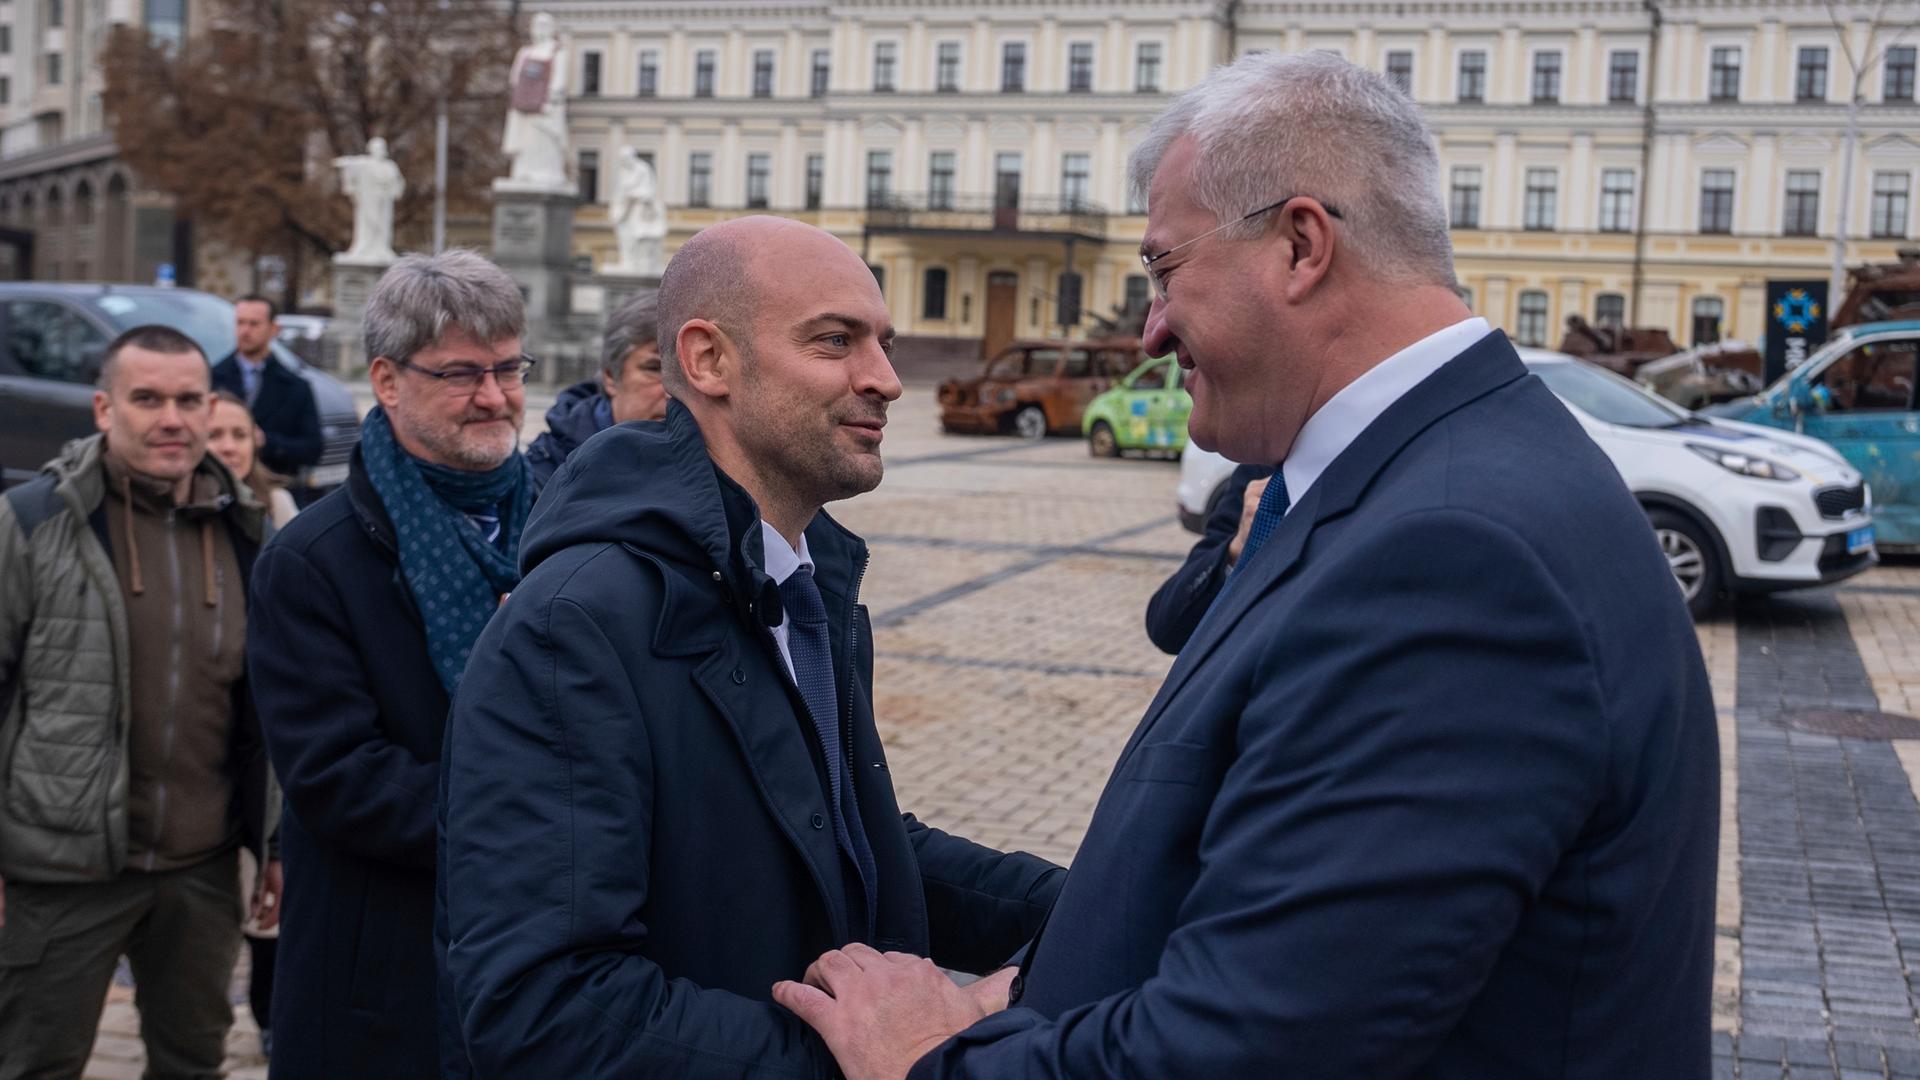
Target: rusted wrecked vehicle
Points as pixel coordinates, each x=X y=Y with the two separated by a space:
x=1728 y=370
x=1619 y=349
x=1034 y=388
x=1882 y=292
x=1705 y=375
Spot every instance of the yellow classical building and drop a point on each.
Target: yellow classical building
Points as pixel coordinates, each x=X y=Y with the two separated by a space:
x=1649 y=163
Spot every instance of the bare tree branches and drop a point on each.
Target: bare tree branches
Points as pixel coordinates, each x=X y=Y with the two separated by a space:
x=241 y=123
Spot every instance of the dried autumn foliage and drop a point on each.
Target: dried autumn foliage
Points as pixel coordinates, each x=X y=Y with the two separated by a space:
x=240 y=123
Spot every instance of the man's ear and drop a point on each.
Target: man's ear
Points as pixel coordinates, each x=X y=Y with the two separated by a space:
x=384 y=374
x=102 y=411
x=1308 y=233
x=707 y=358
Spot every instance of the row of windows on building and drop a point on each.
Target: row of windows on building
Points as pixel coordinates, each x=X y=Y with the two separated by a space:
x=1147 y=65
x=1623 y=75
x=1886 y=212
x=1609 y=309
x=1547 y=77
x=1076 y=180
x=166 y=20
x=936 y=287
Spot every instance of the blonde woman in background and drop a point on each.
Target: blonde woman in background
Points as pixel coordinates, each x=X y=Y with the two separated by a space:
x=236 y=440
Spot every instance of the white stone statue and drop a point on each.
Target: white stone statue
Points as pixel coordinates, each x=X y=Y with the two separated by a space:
x=373 y=182
x=639 y=216
x=536 y=134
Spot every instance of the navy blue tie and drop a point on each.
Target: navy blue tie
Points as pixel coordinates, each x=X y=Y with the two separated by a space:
x=812 y=656
x=1266 y=518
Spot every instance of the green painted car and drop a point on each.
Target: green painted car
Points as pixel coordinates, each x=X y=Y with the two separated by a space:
x=1147 y=411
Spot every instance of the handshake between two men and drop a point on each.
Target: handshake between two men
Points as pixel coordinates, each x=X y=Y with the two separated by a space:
x=1430 y=791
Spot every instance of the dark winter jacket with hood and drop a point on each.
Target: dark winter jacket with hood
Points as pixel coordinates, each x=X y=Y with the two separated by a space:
x=578 y=414
x=634 y=835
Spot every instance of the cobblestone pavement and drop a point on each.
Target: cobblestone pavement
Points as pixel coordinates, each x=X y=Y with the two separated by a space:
x=1007 y=589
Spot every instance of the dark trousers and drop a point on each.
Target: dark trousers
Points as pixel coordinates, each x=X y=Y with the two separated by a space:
x=179 y=929
x=260 y=952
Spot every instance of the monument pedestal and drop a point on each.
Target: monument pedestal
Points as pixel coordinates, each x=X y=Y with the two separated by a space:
x=533 y=242
x=353 y=281
x=620 y=288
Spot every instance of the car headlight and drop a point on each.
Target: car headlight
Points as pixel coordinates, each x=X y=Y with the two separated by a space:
x=1744 y=464
x=1004 y=394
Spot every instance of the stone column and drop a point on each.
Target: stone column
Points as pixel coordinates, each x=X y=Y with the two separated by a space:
x=353 y=281
x=619 y=288
x=533 y=242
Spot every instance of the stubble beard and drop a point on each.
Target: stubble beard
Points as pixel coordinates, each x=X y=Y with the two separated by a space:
x=452 y=441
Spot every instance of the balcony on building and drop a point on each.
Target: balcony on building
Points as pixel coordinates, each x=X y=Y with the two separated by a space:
x=1029 y=217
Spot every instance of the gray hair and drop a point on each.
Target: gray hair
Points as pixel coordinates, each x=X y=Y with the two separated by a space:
x=1269 y=126
x=421 y=297
x=632 y=325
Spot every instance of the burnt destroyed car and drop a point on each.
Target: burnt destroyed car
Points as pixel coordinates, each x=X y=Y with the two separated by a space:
x=1621 y=350
x=1036 y=388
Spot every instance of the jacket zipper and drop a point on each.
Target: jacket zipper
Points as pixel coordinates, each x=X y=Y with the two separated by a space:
x=176 y=661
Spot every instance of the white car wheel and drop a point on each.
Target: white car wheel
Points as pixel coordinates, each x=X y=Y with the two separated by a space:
x=1694 y=560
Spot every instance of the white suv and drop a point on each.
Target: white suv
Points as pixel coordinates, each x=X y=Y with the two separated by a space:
x=1737 y=507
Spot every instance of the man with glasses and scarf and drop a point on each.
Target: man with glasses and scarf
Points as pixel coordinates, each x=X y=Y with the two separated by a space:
x=364 y=611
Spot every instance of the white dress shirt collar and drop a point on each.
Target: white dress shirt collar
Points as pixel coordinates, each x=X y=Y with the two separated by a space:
x=782 y=560
x=1351 y=411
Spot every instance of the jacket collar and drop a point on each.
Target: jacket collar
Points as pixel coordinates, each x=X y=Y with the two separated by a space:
x=726 y=526
x=81 y=481
x=268 y=366
x=1486 y=366
x=368 y=510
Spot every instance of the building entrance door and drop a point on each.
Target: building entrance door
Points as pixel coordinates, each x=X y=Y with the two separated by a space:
x=1003 y=291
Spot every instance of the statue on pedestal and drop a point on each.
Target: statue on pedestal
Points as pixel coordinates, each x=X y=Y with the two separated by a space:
x=372 y=181
x=536 y=134
x=639 y=216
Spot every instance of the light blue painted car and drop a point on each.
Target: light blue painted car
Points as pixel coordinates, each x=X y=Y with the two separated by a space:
x=1857 y=393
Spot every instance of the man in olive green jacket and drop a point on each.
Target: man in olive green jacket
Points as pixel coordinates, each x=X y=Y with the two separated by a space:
x=131 y=763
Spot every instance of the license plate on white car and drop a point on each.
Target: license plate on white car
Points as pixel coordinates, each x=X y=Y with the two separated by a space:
x=327 y=475
x=1860 y=540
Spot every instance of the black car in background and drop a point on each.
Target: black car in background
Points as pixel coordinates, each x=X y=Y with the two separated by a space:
x=51 y=340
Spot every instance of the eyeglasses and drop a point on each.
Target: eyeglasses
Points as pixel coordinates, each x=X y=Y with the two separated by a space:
x=1159 y=277
x=466 y=378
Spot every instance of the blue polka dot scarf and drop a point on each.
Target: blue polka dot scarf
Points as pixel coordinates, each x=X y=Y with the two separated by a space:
x=455 y=573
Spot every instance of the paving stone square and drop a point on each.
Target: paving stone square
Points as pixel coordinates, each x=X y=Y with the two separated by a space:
x=1008 y=586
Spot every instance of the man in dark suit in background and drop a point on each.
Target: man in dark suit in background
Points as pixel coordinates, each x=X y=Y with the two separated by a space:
x=1432 y=790
x=280 y=400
